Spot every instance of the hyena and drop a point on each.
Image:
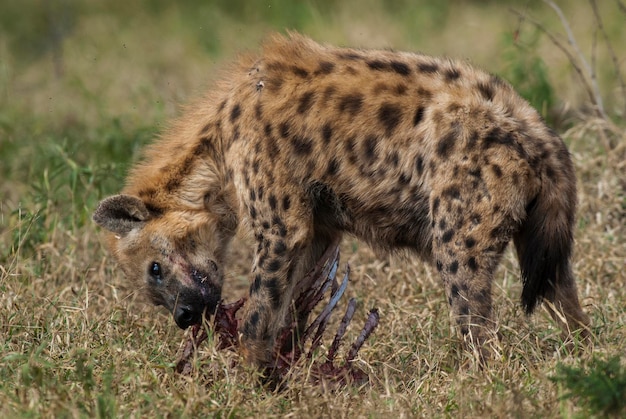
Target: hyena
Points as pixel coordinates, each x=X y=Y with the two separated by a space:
x=305 y=142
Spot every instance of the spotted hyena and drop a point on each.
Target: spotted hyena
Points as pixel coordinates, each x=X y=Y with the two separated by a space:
x=305 y=142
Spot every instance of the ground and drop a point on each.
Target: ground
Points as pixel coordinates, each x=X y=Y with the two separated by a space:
x=76 y=340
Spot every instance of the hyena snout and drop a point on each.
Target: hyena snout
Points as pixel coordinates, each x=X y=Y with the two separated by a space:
x=191 y=308
x=193 y=303
x=187 y=315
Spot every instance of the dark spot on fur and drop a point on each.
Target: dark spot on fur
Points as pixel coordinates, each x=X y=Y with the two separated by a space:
x=249 y=330
x=389 y=115
x=273 y=287
x=280 y=248
x=496 y=170
x=301 y=145
x=306 y=101
x=447 y=236
x=472 y=140
x=442 y=224
x=252 y=195
x=260 y=191
x=380 y=87
x=485 y=90
x=284 y=129
x=419 y=115
x=327 y=132
x=404 y=179
x=235 y=112
x=424 y=94
x=377 y=65
x=452 y=192
x=471 y=263
x=475 y=172
x=272 y=201
x=446 y=144
x=470 y=242
x=454 y=267
x=499 y=137
x=550 y=173
x=333 y=167
x=286 y=203
x=299 y=71
x=401 y=89
x=268 y=129
x=351 y=103
x=265 y=225
x=369 y=147
x=145 y=193
x=255 y=164
x=252 y=212
x=419 y=164
x=464 y=309
x=272 y=149
x=428 y=68
x=258 y=111
x=453 y=108
x=452 y=74
x=325 y=68
x=205 y=129
x=328 y=93
x=439 y=265
x=348 y=55
x=273 y=266
x=204 y=147
x=400 y=68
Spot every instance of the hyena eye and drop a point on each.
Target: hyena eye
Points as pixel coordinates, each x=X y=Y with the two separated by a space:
x=155 y=271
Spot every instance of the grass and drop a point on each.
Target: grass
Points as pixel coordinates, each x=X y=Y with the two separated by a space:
x=84 y=85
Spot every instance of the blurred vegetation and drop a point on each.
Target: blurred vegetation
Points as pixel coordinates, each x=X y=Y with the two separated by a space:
x=85 y=84
x=600 y=385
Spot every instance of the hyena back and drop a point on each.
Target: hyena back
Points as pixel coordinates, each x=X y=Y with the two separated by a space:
x=305 y=142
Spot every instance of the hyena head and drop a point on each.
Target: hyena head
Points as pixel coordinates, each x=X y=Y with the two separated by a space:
x=175 y=257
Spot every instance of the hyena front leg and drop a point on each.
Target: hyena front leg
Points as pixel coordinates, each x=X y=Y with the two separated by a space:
x=467 y=247
x=287 y=247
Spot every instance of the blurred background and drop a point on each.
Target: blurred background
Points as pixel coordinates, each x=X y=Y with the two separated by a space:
x=97 y=77
x=84 y=84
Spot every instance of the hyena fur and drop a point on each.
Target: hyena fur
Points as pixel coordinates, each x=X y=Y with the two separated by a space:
x=306 y=142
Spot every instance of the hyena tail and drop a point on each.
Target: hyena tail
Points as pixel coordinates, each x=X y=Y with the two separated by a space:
x=544 y=242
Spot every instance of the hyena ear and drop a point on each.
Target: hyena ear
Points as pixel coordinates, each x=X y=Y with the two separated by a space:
x=121 y=213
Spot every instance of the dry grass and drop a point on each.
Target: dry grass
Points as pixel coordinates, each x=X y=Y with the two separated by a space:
x=77 y=342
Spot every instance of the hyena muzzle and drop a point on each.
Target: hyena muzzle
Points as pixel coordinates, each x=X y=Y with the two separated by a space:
x=305 y=142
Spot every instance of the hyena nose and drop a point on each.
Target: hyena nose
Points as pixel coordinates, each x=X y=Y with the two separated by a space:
x=186 y=316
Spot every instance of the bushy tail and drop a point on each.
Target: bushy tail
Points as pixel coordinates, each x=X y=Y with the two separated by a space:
x=544 y=242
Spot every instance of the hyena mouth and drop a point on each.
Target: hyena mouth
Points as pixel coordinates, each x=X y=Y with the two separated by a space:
x=194 y=305
x=198 y=301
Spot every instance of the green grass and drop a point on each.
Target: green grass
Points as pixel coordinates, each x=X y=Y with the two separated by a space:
x=84 y=85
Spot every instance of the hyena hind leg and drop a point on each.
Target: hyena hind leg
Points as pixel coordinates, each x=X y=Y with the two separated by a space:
x=467 y=267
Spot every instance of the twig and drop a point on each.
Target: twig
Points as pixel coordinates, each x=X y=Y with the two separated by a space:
x=565 y=51
x=609 y=47
x=597 y=97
